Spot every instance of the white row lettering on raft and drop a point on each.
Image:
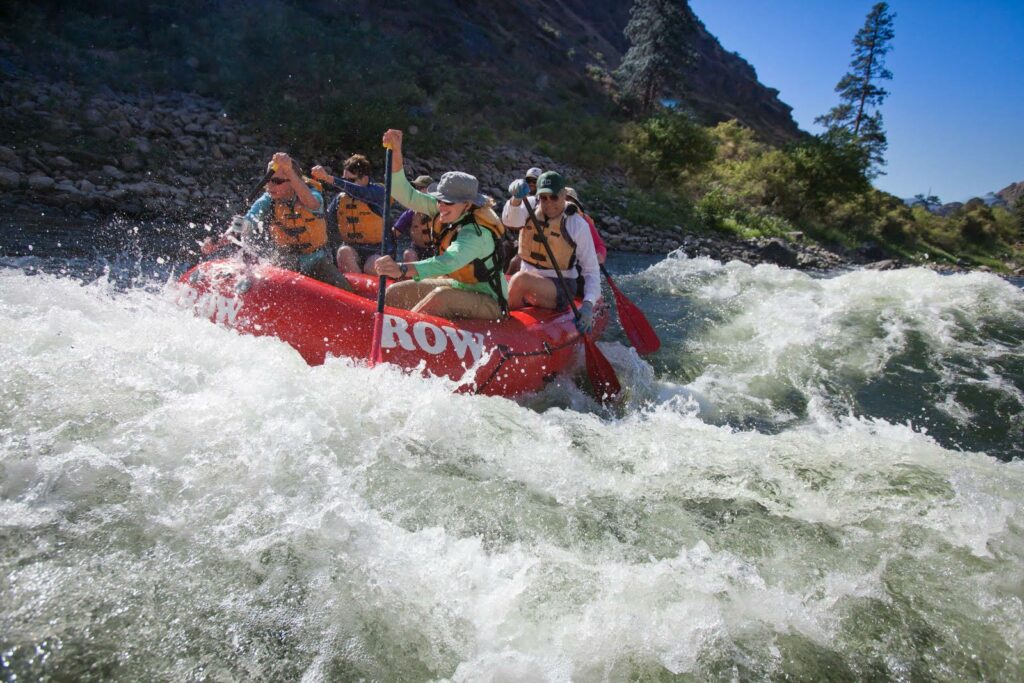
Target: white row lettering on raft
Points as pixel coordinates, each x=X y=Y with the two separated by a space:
x=217 y=307
x=430 y=338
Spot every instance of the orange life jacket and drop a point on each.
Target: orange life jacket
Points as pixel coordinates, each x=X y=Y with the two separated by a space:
x=421 y=236
x=295 y=227
x=531 y=249
x=357 y=222
x=486 y=270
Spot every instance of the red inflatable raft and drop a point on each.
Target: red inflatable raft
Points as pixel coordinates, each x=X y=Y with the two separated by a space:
x=515 y=355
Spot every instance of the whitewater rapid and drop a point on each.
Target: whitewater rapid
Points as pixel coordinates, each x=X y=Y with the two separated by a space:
x=816 y=478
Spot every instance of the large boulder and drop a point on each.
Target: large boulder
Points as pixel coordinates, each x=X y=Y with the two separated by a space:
x=9 y=179
x=8 y=155
x=104 y=133
x=869 y=252
x=113 y=172
x=40 y=182
x=778 y=252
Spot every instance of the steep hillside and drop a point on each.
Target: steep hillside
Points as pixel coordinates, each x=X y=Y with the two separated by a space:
x=577 y=47
x=437 y=64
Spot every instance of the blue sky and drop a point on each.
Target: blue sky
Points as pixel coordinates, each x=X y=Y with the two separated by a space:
x=955 y=115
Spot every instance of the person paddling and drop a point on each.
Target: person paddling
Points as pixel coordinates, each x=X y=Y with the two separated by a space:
x=291 y=211
x=465 y=279
x=568 y=234
x=355 y=217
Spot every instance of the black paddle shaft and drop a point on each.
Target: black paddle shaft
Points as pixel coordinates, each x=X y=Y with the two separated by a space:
x=254 y=192
x=384 y=246
x=571 y=296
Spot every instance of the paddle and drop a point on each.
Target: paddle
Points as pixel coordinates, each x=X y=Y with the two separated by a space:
x=599 y=370
x=212 y=245
x=376 y=355
x=634 y=322
x=255 y=191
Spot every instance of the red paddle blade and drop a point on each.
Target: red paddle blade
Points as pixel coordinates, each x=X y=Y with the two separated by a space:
x=634 y=323
x=600 y=372
x=376 y=354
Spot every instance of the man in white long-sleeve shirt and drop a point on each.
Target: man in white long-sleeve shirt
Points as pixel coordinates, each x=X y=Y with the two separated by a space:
x=568 y=234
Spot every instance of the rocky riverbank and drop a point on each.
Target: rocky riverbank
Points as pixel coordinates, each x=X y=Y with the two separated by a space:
x=181 y=158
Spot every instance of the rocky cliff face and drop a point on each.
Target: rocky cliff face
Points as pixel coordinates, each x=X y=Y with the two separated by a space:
x=724 y=86
x=720 y=86
x=576 y=48
x=509 y=54
x=1011 y=193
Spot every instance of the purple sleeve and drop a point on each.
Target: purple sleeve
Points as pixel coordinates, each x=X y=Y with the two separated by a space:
x=404 y=223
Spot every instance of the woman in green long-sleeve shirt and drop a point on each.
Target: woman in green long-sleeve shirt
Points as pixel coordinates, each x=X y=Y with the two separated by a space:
x=465 y=279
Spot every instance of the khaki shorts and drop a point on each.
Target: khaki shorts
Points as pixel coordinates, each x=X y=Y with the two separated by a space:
x=437 y=296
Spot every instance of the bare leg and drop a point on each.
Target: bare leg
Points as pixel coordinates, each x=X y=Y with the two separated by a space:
x=326 y=272
x=348 y=260
x=368 y=266
x=320 y=266
x=530 y=289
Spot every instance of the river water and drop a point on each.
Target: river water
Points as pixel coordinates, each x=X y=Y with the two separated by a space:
x=816 y=478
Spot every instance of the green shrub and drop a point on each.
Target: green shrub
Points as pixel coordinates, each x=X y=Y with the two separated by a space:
x=977 y=228
x=894 y=227
x=1018 y=216
x=666 y=148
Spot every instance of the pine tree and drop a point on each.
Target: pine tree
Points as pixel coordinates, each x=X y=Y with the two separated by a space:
x=859 y=91
x=659 y=33
x=929 y=201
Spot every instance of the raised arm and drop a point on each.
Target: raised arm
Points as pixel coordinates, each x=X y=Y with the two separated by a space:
x=283 y=163
x=402 y=190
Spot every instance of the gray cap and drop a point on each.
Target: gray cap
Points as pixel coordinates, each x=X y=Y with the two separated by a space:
x=456 y=186
x=534 y=172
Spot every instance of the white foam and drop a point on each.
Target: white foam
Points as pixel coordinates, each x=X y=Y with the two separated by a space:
x=317 y=522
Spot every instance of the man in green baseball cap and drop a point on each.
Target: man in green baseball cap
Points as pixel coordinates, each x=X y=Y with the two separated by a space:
x=572 y=250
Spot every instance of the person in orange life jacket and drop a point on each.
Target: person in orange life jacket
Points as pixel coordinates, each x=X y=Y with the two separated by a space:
x=355 y=217
x=599 y=246
x=290 y=216
x=524 y=188
x=568 y=234
x=416 y=226
x=465 y=279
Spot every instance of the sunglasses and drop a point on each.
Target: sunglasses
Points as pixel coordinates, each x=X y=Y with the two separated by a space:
x=548 y=197
x=277 y=181
x=441 y=201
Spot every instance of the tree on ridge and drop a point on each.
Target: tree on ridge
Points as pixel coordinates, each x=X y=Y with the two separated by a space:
x=659 y=51
x=859 y=92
